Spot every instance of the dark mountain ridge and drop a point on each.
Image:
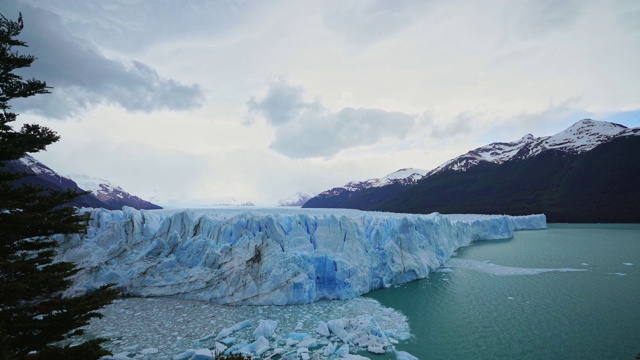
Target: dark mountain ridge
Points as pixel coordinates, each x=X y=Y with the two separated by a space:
x=587 y=173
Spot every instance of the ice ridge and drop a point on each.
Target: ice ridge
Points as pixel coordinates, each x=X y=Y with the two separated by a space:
x=270 y=257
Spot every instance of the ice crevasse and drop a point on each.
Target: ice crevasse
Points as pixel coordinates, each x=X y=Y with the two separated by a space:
x=270 y=257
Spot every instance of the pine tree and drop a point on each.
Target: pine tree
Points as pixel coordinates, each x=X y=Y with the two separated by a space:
x=34 y=316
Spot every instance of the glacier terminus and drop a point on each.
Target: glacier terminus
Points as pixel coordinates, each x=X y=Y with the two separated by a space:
x=270 y=256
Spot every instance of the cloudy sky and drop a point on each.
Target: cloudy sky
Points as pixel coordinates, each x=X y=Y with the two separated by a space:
x=201 y=101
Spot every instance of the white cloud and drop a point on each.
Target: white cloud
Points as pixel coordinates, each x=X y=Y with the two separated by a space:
x=309 y=129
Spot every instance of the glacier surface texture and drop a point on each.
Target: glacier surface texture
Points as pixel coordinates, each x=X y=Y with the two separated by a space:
x=270 y=257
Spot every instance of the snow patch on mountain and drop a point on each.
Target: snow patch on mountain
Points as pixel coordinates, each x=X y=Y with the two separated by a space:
x=36 y=166
x=99 y=187
x=110 y=194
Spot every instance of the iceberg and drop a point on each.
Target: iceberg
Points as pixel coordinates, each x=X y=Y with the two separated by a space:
x=270 y=256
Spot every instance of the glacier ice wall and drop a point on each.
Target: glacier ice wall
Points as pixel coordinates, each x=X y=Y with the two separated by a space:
x=270 y=257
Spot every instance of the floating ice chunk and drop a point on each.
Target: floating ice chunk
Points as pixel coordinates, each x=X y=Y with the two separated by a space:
x=236 y=348
x=336 y=326
x=300 y=325
x=220 y=348
x=119 y=356
x=291 y=342
x=308 y=343
x=149 y=351
x=230 y=330
x=509 y=298
x=445 y=270
x=185 y=355
x=276 y=351
x=376 y=348
x=342 y=350
x=208 y=337
x=627 y=264
x=330 y=349
x=258 y=347
x=291 y=355
x=489 y=268
x=584 y=264
x=403 y=355
x=228 y=340
x=298 y=336
x=620 y=274
x=322 y=328
x=265 y=329
x=202 y=354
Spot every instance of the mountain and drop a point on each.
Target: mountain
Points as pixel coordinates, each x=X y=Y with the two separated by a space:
x=586 y=173
x=366 y=192
x=103 y=194
x=298 y=199
x=580 y=137
x=112 y=195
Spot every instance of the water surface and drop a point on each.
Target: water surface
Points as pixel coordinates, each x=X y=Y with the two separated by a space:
x=471 y=313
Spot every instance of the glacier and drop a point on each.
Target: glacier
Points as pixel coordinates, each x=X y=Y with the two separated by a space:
x=270 y=256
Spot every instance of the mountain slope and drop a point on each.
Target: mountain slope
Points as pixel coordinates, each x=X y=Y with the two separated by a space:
x=42 y=175
x=369 y=191
x=595 y=186
x=112 y=197
x=587 y=173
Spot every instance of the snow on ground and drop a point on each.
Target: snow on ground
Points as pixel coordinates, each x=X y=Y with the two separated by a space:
x=164 y=328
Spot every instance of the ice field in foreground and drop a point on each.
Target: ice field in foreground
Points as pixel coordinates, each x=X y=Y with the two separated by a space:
x=177 y=329
x=270 y=256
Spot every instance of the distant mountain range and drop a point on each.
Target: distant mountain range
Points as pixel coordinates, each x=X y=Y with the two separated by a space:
x=103 y=193
x=587 y=173
x=298 y=199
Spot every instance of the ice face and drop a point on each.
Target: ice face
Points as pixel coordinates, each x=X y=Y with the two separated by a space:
x=270 y=257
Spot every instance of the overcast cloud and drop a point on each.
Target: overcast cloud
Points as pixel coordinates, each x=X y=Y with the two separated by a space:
x=83 y=77
x=309 y=129
x=201 y=101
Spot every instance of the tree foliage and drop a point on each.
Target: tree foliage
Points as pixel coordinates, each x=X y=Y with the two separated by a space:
x=34 y=316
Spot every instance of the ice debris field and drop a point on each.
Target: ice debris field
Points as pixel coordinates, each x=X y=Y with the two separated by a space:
x=166 y=328
x=264 y=257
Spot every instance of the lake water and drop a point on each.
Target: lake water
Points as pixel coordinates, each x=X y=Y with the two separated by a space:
x=472 y=313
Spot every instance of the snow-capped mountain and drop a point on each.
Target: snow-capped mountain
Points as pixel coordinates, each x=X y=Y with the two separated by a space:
x=298 y=199
x=103 y=194
x=111 y=194
x=586 y=173
x=408 y=176
x=580 y=137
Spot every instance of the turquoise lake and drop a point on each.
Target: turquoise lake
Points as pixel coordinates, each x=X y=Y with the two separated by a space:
x=589 y=314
